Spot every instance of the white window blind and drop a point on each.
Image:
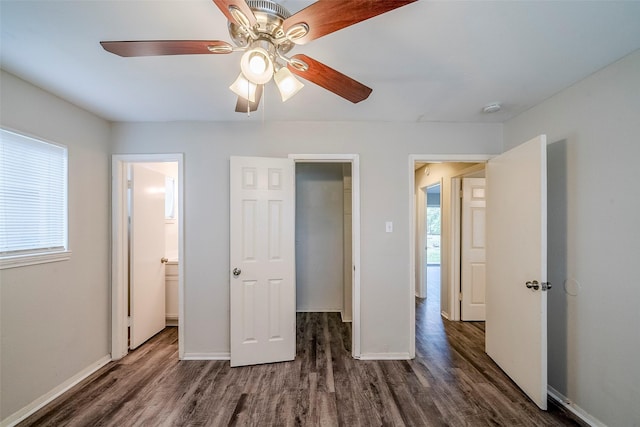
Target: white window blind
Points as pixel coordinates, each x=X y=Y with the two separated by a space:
x=33 y=196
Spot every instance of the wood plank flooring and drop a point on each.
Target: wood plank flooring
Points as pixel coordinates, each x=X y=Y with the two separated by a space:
x=451 y=382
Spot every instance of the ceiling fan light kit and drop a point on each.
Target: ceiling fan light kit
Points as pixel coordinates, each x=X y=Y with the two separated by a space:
x=266 y=31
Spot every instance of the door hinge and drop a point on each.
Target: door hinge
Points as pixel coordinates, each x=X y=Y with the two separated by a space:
x=460 y=296
x=128 y=183
x=128 y=320
x=460 y=194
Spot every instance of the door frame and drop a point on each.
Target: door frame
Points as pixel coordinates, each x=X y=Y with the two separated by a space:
x=120 y=248
x=425 y=158
x=354 y=160
x=456 y=250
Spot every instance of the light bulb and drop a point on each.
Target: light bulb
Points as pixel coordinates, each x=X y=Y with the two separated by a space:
x=257 y=63
x=257 y=66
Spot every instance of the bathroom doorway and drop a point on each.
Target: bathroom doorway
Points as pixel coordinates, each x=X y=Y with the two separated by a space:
x=147 y=273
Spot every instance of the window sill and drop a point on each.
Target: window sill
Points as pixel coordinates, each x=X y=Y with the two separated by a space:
x=33 y=259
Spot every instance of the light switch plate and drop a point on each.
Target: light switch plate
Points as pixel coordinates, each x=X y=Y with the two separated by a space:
x=389 y=227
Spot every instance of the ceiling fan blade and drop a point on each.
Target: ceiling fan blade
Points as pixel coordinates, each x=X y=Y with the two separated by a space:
x=245 y=106
x=331 y=79
x=167 y=47
x=225 y=7
x=326 y=16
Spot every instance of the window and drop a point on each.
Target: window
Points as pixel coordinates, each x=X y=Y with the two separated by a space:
x=33 y=201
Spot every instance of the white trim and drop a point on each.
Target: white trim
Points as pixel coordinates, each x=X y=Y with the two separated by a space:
x=119 y=259
x=427 y=158
x=573 y=408
x=48 y=397
x=207 y=356
x=444 y=314
x=320 y=310
x=354 y=159
x=323 y=158
x=13 y=261
x=412 y=256
x=119 y=254
x=454 y=255
x=386 y=356
x=421 y=214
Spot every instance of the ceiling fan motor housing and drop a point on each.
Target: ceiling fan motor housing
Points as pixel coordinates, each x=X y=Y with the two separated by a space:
x=270 y=16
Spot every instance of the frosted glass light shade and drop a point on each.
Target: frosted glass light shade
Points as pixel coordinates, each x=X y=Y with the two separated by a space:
x=244 y=88
x=287 y=84
x=257 y=66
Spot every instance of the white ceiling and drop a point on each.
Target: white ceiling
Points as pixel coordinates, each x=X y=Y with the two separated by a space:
x=427 y=61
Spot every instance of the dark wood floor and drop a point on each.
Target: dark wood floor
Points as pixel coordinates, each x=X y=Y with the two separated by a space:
x=450 y=383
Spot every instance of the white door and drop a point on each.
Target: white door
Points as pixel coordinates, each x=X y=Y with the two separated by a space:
x=147 y=279
x=516 y=325
x=262 y=256
x=472 y=260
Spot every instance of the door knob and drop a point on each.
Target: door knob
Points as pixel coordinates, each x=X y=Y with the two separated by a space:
x=164 y=260
x=533 y=285
x=236 y=272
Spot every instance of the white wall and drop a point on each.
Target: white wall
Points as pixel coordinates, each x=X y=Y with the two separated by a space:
x=55 y=317
x=384 y=150
x=594 y=322
x=319 y=235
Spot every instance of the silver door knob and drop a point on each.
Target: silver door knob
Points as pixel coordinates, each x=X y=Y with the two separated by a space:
x=533 y=285
x=164 y=260
x=236 y=272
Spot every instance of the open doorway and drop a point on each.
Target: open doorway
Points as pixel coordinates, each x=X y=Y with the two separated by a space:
x=345 y=169
x=516 y=183
x=147 y=224
x=323 y=238
x=436 y=172
x=323 y=242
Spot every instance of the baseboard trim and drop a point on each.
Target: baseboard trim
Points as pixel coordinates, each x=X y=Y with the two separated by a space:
x=445 y=315
x=345 y=319
x=207 y=356
x=565 y=402
x=385 y=356
x=45 y=399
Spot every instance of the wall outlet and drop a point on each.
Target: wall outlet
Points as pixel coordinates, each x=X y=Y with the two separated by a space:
x=389 y=227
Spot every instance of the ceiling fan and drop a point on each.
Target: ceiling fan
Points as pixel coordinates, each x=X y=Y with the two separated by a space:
x=265 y=31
